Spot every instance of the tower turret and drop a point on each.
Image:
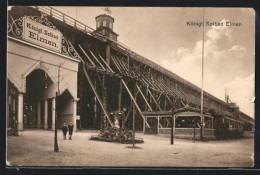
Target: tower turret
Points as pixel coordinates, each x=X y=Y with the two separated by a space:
x=104 y=25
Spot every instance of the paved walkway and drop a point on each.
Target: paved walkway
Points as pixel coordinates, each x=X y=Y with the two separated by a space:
x=35 y=148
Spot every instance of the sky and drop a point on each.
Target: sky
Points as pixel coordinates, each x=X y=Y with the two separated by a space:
x=162 y=35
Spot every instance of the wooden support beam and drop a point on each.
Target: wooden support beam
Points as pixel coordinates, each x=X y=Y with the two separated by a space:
x=93 y=89
x=97 y=60
x=146 y=102
x=165 y=101
x=129 y=111
x=159 y=96
x=96 y=94
x=168 y=98
x=106 y=63
x=182 y=103
x=131 y=96
x=154 y=100
x=86 y=56
x=134 y=112
x=119 y=67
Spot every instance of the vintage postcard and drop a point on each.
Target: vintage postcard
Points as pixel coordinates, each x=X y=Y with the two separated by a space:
x=130 y=86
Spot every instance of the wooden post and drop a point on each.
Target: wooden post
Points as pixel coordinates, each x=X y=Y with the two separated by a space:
x=172 y=129
x=95 y=105
x=174 y=125
x=108 y=54
x=158 y=124
x=120 y=96
x=144 y=125
x=81 y=84
x=146 y=95
x=165 y=101
x=194 y=130
x=104 y=100
x=134 y=111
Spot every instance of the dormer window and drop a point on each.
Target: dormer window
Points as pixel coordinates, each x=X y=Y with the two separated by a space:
x=98 y=24
x=104 y=23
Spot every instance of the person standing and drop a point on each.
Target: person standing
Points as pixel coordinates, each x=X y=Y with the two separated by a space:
x=64 y=130
x=70 y=130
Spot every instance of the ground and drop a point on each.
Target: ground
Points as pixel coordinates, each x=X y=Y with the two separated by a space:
x=35 y=148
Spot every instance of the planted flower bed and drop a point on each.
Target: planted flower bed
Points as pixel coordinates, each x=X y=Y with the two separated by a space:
x=116 y=135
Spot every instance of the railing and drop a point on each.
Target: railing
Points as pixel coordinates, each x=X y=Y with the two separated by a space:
x=75 y=23
x=64 y=18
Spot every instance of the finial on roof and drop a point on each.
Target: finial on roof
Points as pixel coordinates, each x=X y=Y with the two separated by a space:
x=106 y=10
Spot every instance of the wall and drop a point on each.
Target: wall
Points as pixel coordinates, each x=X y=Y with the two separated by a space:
x=189 y=132
x=23 y=58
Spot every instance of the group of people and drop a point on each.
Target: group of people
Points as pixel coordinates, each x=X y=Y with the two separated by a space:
x=65 y=130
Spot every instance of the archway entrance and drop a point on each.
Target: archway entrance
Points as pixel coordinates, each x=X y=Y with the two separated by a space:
x=66 y=109
x=37 y=104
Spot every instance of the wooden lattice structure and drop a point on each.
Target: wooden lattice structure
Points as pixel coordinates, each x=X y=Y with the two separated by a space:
x=111 y=77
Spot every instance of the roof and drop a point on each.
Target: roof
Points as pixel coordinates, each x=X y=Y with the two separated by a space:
x=104 y=15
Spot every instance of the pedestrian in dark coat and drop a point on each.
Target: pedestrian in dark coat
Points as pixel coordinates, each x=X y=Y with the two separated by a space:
x=64 y=130
x=70 y=130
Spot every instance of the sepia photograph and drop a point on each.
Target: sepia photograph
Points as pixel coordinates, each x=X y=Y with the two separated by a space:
x=106 y=86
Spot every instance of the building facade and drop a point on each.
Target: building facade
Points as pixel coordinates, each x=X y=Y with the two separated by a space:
x=103 y=81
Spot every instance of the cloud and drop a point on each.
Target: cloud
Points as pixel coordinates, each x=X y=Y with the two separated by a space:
x=218 y=32
x=236 y=48
x=241 y=90
x=182 y=52
x=223 y=61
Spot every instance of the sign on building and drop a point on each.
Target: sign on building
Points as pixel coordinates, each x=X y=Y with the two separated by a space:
x=42 y=35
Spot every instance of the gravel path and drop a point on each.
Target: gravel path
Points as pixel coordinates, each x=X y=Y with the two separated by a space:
x=35 y=148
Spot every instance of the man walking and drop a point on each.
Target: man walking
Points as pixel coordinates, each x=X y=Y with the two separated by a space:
x=64 y=130
x=70 y=130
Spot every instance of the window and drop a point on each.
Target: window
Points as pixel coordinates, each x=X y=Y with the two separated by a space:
x=104 y=23
x=110 y=25
x=98 y=24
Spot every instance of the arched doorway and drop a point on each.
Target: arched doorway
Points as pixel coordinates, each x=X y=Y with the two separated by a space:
x=37 y=104
x=67 y=107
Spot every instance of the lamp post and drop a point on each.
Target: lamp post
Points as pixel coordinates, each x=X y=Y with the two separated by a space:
x=56 y=148
x=172 y=124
